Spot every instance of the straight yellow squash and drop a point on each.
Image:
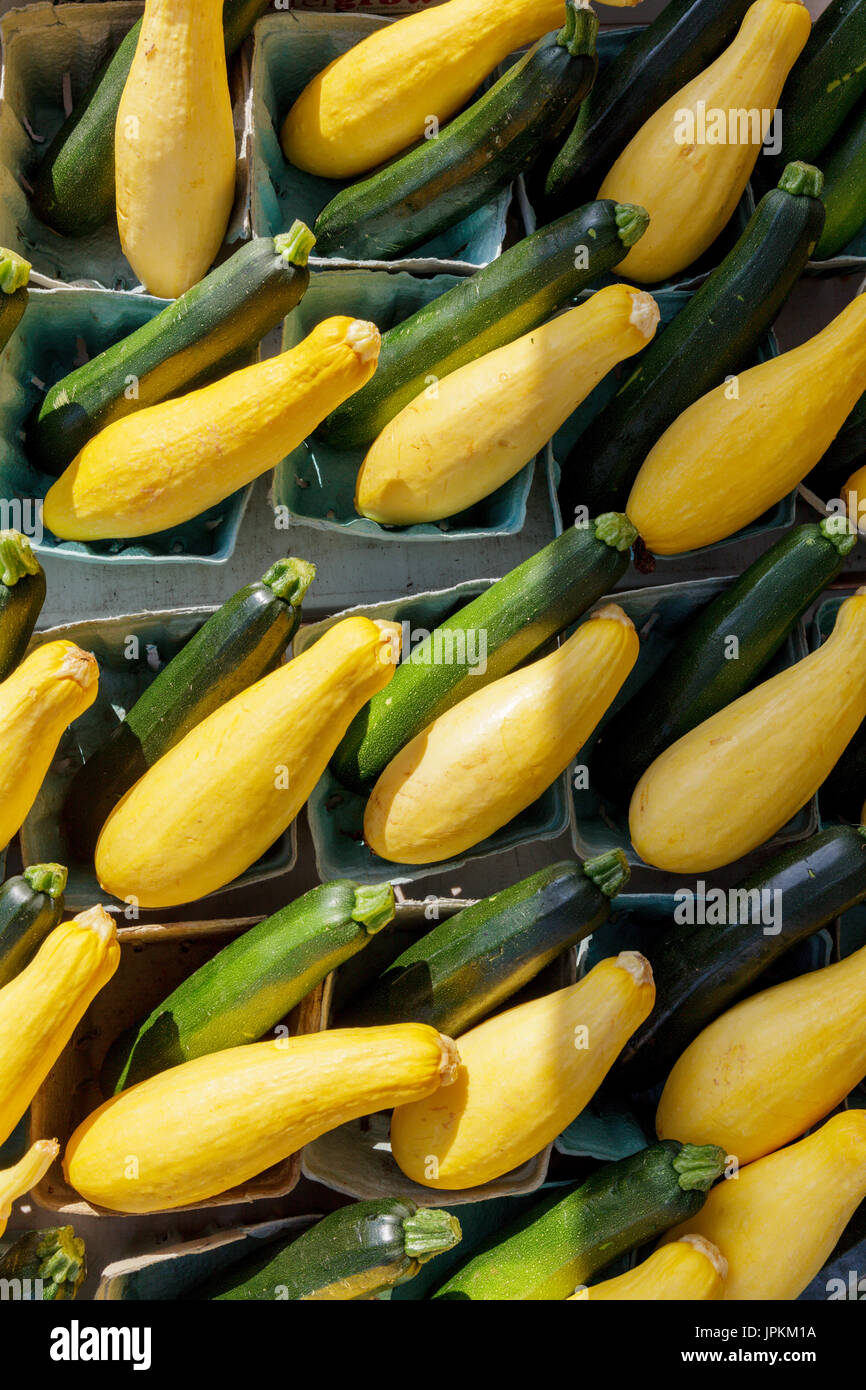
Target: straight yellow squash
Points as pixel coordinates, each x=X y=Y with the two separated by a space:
x=690 y=163
x=688 y=1269
x=174 y=146
x=17 y=1181
x=41 y=1007
x=464 y=437
x=524 y=1075
x=212 y=805
x=773 y=1065
x=742 y=447
x=201 y=1128
x=732 y=782
x=51 y=687
x=170 y=462
x=778 y=1220
x=481 y=763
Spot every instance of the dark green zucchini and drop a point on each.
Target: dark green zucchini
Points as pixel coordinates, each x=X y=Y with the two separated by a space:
x=713 y=335
x=844 y=186
x=479 y=153
x=844 y=792
x=502 y=301
x=702 y=674
x=22 y=594
x=31 y=906
x=467 y=966
x=358 y=1251
x=73 y=187
x=560 y=1244
x=249 y=986
x=701 y=970
x=14 y=278
x=845 y=455
x=211 y=330
x=660 y=59
x=50 y=1265
x=518 y=615
x=825 y=84
x=242 y=642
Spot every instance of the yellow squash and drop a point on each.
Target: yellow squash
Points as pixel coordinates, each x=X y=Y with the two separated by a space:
x=524 y=1075
x=174 y=146
x=481 y=763
x=688 y=1269
x=744 y=446
x=778 y=1220
x=732 y=782
x=467 y=435
x=40 y=1008
x=16 y=1182
x=690 y=163
x=212 y=805
x=51 y=687
x=203 y=1127
x=773 y=1065
x=170 y=462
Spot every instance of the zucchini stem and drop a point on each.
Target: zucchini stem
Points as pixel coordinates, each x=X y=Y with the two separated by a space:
x=296 y=244
x=802 y=179
x=374 y=906
x=16 y=558
x=580 y=30
x=698 y=1166
x=47 y=878
x=608 y=871
x=290 y=579
x=615 y=530
x=55 y=1256
x=14 y=271
x=837 y=530
x=428 y=1232
x=632 y=221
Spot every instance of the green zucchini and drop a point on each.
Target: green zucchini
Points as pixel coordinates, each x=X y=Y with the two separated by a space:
x=502 y=301
x=660 y=59
x=479 y=153
x=710 y=337
x=517 y=615
x=701 y=970
x=825 y=84
x=357 y=1252
x=31 y=906
x=211 y=330
x=703 y=673
x=242 y=642
x=844 y=186
x=73 y=187
x=245 y=990
x=844 y=456
x=22 y=594
x=467 y=966
x=557 y=1246
x=14 y=278
x=50 y=1264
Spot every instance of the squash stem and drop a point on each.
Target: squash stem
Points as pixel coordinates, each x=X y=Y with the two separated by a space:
x=580 y=30
x=47 y=878
x=14 y=271
x=55 y=1256
x=837 y=530
x=615 y=529
x=16 y=558
x=802 y=179
x=290 y=579
x=296 y=244
x=608 y=871
x=698 y=1166
x=428 y=1232
x=374 y=906
x=632 y=221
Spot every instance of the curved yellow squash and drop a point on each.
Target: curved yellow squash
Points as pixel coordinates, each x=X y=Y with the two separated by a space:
x=688 y=1269
x=467 y=435
x=203 y=1127
x=212 y=805
x=174 y=146
x=524 y=1076
x=690 y=163
x=170 y=462
x=51 y=687
x=481 y=763
x=778 y=1220
x=16 y=1182
x=773 y=1065
x=732 y=782
x=40 y=1008
x=744 y=446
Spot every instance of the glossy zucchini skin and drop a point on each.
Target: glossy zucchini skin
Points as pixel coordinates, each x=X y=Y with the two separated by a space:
x=22 y=594
x=825 y=84
x=660 y=59
x=357 y=1252
x=468 y=965
x=242 y=642
x=31 y=906
x=697 y=679
x=519 y=614
x=710 y=337
x=844 y=186
x=73 y=187
x=499 y=303
x=700 y=971
x=477 y=154
x=210 y=331
x=249 y=986
x=561 y=1243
